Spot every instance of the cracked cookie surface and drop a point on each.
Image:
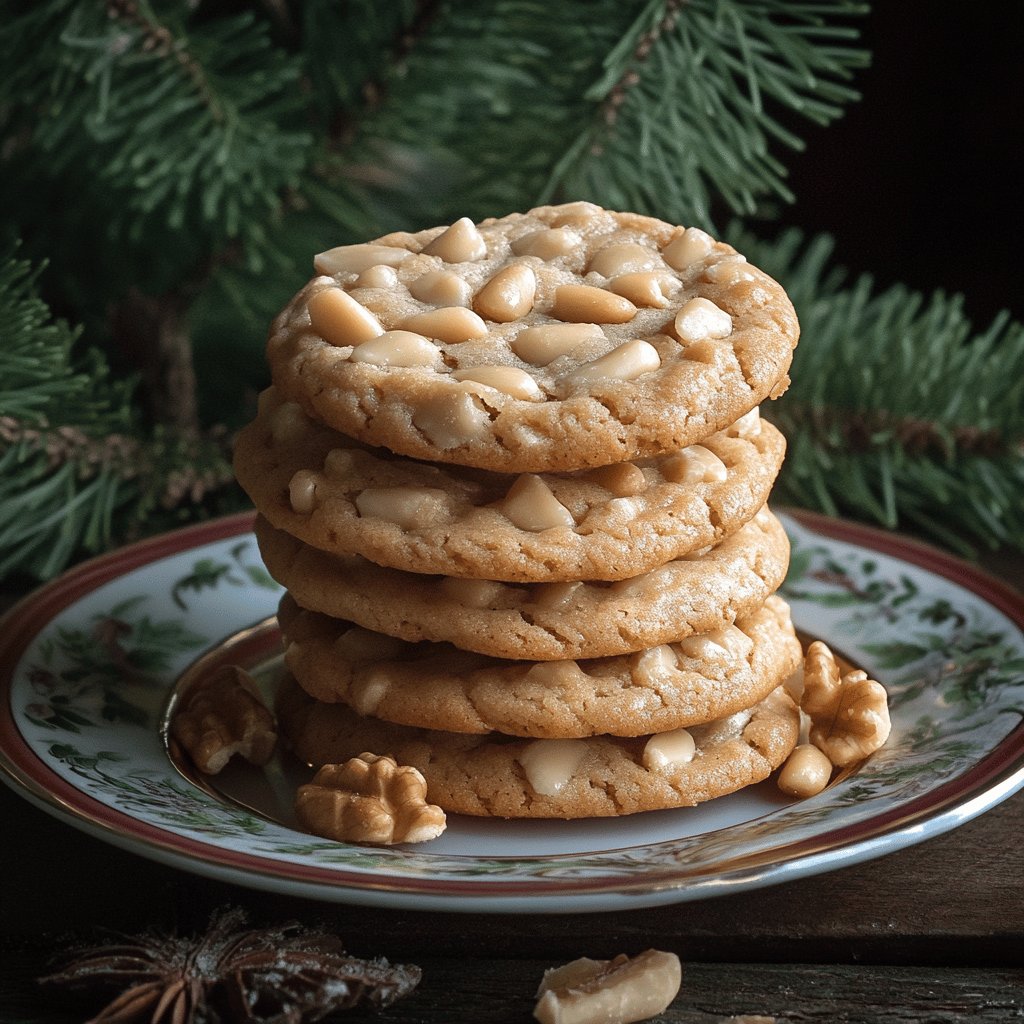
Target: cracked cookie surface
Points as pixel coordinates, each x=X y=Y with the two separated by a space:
x=539 y=621
x=562 y=338
x=609 y=523
x=438 y=686
x=494 y=775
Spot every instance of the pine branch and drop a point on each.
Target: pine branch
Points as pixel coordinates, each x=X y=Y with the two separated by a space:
x=77 y=471
x=899 y=412
x=189 y=123
x=695 y=98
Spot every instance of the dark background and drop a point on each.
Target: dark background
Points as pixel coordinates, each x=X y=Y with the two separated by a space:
x=920 y=181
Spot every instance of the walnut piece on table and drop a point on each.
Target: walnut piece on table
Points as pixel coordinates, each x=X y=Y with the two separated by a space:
x=849 y=713
x=369 y=799
x=617 y=991
x=222 y=715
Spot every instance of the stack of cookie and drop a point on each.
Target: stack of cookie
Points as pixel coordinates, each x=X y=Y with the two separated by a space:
x=514 y=480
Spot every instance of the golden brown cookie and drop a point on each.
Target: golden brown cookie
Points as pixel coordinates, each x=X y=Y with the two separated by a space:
x=539 y=621
x=499 y=776
x=609 y=523
x=558 y=339
x=437 y=686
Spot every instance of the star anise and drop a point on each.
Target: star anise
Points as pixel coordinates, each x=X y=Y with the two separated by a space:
x=252 y=976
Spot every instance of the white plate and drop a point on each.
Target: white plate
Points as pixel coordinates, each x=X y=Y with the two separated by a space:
x=89 y=662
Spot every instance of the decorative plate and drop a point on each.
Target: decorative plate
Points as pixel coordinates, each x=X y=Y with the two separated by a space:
x=91 y=660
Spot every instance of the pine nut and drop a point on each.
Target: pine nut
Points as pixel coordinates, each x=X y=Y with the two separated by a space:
x=547 y=244
x=667 y=749
x=748 y=425
x=354 y=259
x=623 y=479
x=302 y=492
x=691 y=246
x=451 y=419
x=397 y=348
x=700 y=319
x=410 y=508
x=508 y=295
x=377 y=276
x=540 y=345
x=694 y=465
x=441 y=288
x=645 y=289
x=340 y=320
x=508 y=379
x=585 y=304
x=459 y=243
x=624 y=258
x=530 y=505
x=450 y=324
x=627 y=362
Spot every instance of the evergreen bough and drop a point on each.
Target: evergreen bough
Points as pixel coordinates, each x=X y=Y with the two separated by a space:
x=174 y=166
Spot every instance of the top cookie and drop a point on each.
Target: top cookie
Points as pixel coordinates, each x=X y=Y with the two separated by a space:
x=559 y=339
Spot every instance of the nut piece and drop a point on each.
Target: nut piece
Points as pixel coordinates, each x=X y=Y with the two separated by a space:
x=646 y=289
x=530 y=505
x=288 y=422
x=625 y=258
x=687 y=248
x=806 y=772
x=508 y=295
x=849 y=714
x=410 y=508
x=340 y=320
x=302 y=492
x=623 y=479
x=451 y=419
x=510 y=380
x=700 y=319
x=546 y=244
x=377 y=276
x=585 y=304
x=730 y=269
x=471 y=593
x=441 y=288
x=550 y=764
x=459 y=243
x=222 y=715
x=617 y=991
x=354 y=259
x=667 y=749
x=541 y=345
x=398 y=348
x=694 y=465
x=627 y=362
x=369 y=799
x=451 y=324
x=748 y=425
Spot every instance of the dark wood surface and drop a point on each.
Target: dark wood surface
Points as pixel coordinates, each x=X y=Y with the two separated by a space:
x=931 y=933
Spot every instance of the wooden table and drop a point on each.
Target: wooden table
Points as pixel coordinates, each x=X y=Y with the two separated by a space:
x=934 y=932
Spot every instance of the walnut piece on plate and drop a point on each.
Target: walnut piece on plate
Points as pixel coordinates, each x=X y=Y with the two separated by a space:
x=369 y=799
x=849 y=713
x=617 y=991
x=222 y=715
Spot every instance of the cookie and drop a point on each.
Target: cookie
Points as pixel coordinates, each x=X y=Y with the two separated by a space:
x=539 y=621
x=499 y=776
x=609 y=523
x=437 y=686
x=559 y=339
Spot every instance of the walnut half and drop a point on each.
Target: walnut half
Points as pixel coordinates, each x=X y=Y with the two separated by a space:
x=222 y=715
x=849 y=713
x=617 y=991
x=369 y=799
